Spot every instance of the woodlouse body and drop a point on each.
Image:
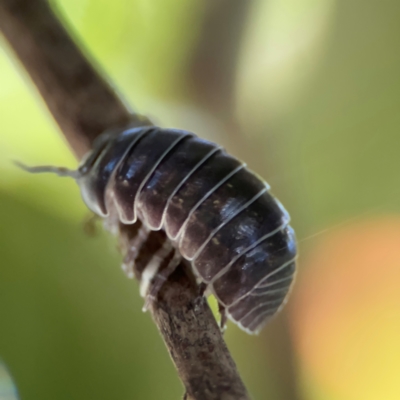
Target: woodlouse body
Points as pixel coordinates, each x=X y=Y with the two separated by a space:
x=218 y=215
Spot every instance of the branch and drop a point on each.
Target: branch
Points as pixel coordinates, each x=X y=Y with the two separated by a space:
x=84 y=105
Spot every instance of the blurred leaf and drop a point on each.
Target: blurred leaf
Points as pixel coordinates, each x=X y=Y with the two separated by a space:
x=282 y=49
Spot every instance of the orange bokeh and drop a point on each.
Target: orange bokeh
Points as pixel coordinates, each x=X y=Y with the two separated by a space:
x=345 y=311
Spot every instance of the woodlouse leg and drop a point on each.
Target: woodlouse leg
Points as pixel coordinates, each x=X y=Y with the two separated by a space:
x=224 y=318
x=90 y=224
x=202 y=289
x=134 y=247
x=160 y=277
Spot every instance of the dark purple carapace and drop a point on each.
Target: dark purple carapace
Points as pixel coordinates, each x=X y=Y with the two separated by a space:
x=217 y=215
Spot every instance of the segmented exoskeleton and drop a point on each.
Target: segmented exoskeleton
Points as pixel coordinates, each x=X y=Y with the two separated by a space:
x=217 y=215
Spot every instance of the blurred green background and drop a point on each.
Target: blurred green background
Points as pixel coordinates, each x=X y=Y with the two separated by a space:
x=307 y=92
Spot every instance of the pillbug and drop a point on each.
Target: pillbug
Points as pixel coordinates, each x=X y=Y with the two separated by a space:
x=217 y=215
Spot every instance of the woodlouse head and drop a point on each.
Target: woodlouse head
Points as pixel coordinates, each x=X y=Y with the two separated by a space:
x=84 y=175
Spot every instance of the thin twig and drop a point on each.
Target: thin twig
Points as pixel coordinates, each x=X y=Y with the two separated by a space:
x=84 y=105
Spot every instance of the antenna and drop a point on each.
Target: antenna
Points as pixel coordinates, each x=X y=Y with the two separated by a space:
x=60 y=171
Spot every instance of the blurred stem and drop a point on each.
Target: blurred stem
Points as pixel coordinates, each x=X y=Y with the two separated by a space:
x=211 y=70
x=84 y=105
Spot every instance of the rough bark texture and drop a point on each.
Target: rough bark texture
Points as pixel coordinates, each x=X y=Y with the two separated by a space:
x=84 y=105
x=205 y=365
